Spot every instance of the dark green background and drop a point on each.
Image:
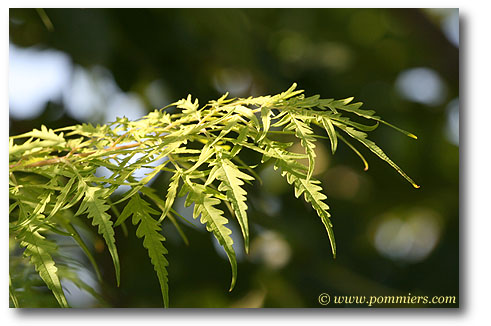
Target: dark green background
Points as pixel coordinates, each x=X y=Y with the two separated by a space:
x=336 y=53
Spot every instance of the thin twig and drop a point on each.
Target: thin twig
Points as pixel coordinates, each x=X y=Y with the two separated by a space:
x=57 y=160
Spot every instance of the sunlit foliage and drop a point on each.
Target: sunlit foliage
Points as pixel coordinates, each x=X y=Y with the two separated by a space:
x=53 y=185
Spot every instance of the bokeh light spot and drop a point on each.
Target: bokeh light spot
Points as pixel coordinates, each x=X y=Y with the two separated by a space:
x=157 y=95
x=271 y=249
x=35 y=77
x=452 y=126
x=127 y=105
x=421 y=85
x=89 y=93
x=234 y=81
x=342 y=182
x=450 y=26
x=94 y=96
x=291 y=47
x=408 y=238
x=334 y=56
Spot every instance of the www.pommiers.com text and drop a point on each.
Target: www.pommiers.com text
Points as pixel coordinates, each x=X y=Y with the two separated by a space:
x=326 y=299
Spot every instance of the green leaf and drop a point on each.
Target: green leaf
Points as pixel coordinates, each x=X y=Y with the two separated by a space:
x=13 y=206
x=79 y=193
x=61 y=200
x=149 y=230
x=171 y=194
x=361 y=137
x=291 y=92
x=241 y=138
x=44 y=133
x=39 y=250
x=34 y=216
x=329 y=127
x=12 y=294
x=249 y=114
x=232 y=180
x=199 y=145
x=150 y=193
x=96 y=208
x=188 y=106
x=71 y=275
x=212 y=217
x=76 y=236
x=312 y=194
x=207 y=152
x=370 y=114
x=266 y=121
x=353 y=148
x=304 y=133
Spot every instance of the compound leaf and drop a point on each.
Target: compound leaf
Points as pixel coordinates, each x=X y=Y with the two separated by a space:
x=231 y=181
x=40 y=251
x=149 y=230
x=96 y=208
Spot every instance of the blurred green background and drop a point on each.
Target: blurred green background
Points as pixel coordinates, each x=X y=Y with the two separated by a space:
x=91 y=65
